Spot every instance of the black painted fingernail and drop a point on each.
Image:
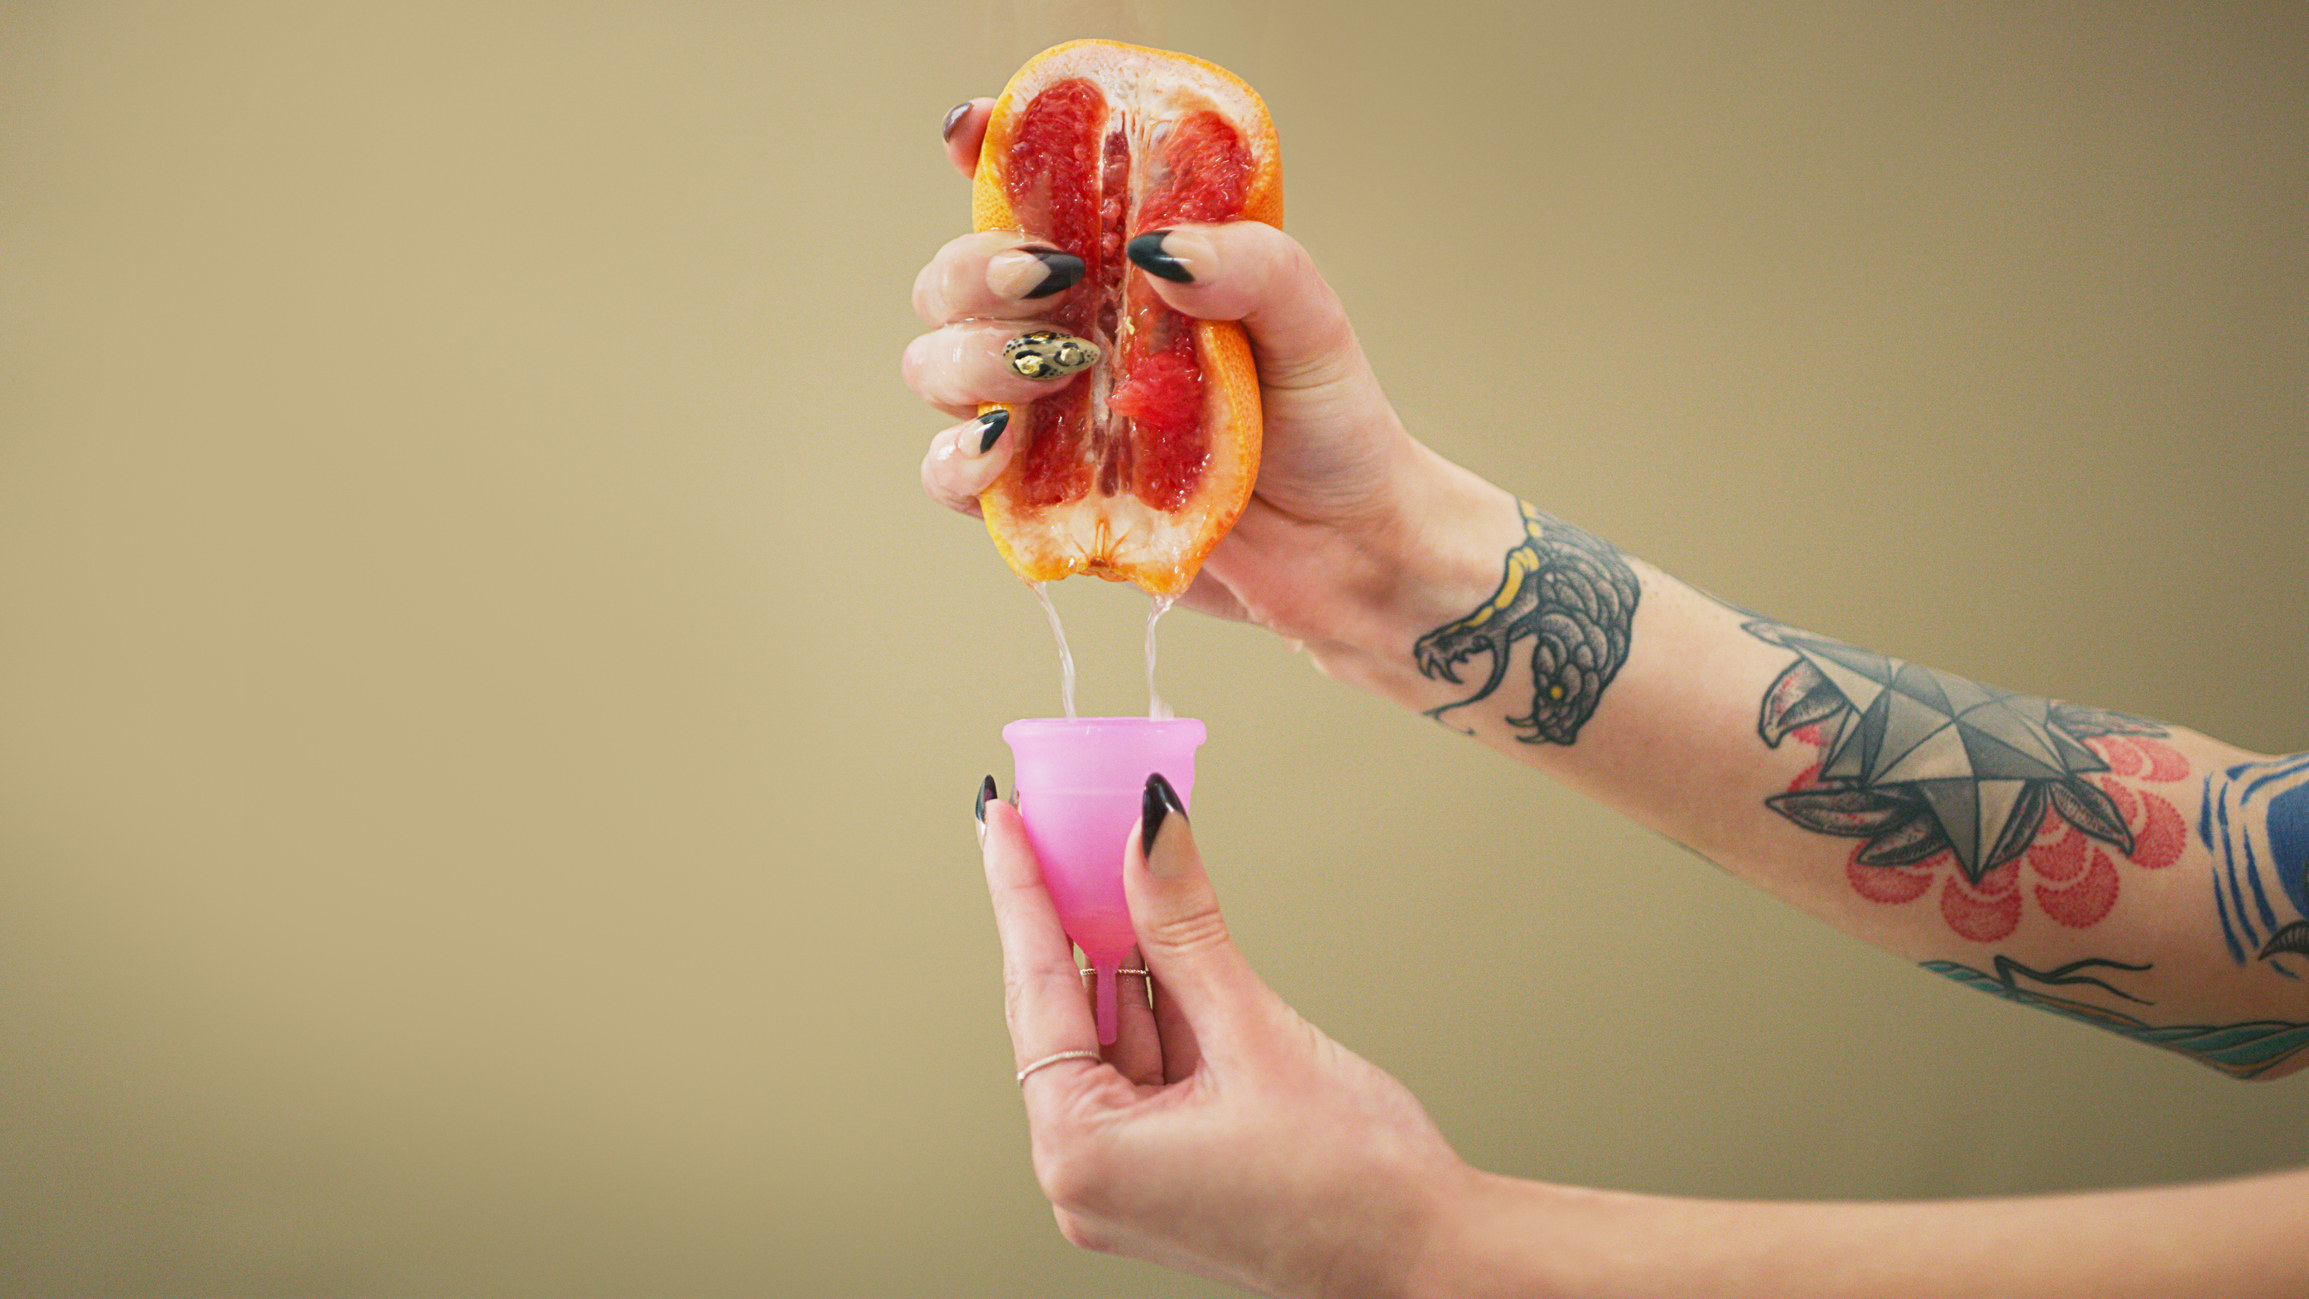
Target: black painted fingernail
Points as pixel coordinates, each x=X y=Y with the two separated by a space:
x=985 y=791
x=985 y=431
x=1160 y=801
x=953 y=119
x=1060 y=271
x=1147 y=253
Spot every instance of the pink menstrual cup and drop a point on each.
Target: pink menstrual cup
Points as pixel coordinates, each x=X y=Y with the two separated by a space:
x=1080 y=783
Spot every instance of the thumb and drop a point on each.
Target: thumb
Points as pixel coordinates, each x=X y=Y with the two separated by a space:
x=1252 y=272
x=1176 y=913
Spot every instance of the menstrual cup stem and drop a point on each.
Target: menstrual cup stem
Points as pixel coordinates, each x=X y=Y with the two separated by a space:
x=1107 y=1015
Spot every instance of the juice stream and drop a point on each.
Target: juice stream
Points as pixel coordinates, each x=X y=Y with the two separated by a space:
x=1155 y=707
x=1065 y=655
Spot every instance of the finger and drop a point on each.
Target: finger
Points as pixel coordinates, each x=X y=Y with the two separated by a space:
x=1176 y=913
x=966 y=459
x=1042 y=997
x=1182 y=1054
x=1138 y=1049
x=965 y=132
x=1254 y=273
x=993 y=274
x=1208 y=594
x=965 y=365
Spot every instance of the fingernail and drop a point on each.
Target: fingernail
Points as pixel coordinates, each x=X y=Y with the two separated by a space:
x=1048 y=354
x=985 y=791
x=1169 y=255
x=953 y=119
x=1035 y=271
x=980 y=437
x=1154 y=812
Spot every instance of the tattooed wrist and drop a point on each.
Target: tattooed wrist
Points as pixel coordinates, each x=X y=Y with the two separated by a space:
x=1573 y=597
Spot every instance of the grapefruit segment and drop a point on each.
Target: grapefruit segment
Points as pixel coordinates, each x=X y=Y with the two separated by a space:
x=1135 y=470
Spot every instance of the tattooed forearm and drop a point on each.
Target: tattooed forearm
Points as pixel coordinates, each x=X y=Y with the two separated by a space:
x=2256 y=822
x=1575 y=598
x=1929 y=769
x=2240 y=1050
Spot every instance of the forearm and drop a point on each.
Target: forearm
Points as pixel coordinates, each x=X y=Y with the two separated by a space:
x=2047 y=852
x=2228 y=1240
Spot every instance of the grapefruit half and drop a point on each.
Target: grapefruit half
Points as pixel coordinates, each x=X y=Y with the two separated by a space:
x=1135 y=469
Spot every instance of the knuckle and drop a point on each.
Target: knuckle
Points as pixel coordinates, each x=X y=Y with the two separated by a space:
x=1293 y=287
x=1013 y=1001
x=944 y=290
x=1024 y=988
x=949 y=295
x=963 y=247
x=1291 y=259
x=911 y=363
x=942 y=491
x=1199 y=929
x=932 y=377
x=1072 y=1176
x=923 y=300
x=1082 y=1233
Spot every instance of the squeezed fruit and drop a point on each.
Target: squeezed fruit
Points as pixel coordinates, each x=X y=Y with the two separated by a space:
x=1134 y=470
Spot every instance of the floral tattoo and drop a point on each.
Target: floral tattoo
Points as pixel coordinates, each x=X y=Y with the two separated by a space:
x=1951 y=783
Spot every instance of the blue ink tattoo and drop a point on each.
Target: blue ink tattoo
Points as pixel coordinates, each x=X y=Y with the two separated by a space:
x=2256 y=822
x=2239 y=1050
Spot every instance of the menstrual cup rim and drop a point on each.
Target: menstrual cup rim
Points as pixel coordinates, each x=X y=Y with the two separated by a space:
x=1048 y=724
x=1080 y=721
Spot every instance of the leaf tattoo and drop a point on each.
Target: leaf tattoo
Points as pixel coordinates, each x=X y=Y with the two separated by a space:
x=1919 y=762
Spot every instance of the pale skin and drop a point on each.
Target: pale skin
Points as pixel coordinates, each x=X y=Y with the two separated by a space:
x=1260 y=1152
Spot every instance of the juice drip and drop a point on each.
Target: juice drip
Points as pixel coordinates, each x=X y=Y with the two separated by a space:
x=1155 y=707
x=1065 y=655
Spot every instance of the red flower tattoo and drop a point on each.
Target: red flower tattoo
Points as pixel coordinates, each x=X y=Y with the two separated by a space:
x=1992 y=797
x=2071 y=875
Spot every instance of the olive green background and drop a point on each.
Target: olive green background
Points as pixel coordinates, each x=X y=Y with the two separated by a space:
x=488 y=721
